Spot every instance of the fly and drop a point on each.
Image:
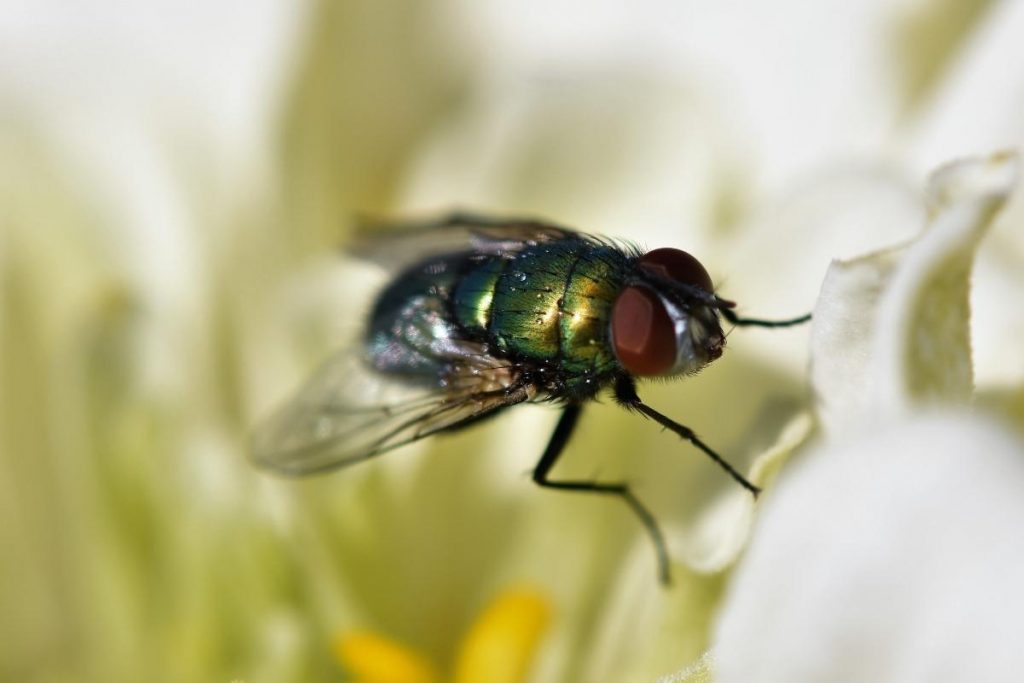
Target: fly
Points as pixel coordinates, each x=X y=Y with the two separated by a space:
x=495 y=312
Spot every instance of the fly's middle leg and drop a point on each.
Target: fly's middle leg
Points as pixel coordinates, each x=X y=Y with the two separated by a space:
x=563 y=430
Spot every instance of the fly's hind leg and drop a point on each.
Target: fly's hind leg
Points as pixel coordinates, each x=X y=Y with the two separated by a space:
x=564 y=429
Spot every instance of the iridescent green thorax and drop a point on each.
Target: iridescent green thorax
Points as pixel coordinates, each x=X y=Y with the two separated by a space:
x=549 y=304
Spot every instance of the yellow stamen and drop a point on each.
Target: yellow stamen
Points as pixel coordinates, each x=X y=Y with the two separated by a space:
x=500 y=645
x=372 y=659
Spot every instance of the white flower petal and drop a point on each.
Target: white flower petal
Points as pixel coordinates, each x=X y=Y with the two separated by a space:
x=891 y=328
x=978 y=107
x=895 y=557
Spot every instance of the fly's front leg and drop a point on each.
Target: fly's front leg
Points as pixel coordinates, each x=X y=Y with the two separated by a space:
x=731 y=316
x=564 y=429
x=625 y=394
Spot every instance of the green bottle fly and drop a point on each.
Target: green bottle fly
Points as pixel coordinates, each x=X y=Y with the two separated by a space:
x=490 y=313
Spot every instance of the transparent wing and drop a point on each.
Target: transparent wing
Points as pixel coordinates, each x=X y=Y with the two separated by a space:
x=347 y=412
x=396 y=244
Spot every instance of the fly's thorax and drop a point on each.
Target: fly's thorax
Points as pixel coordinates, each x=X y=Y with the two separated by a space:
x=665 y=320
x=591 y=291
x=548 y=304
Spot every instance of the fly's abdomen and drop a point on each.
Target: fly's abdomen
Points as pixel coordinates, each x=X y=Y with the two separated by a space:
x=473 y=296
x=410 y=325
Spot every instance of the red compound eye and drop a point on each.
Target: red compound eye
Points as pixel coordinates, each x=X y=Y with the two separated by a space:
x=678 y=265
x=643 y=335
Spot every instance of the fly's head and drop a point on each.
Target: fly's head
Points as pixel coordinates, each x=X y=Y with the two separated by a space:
x=664 y=322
